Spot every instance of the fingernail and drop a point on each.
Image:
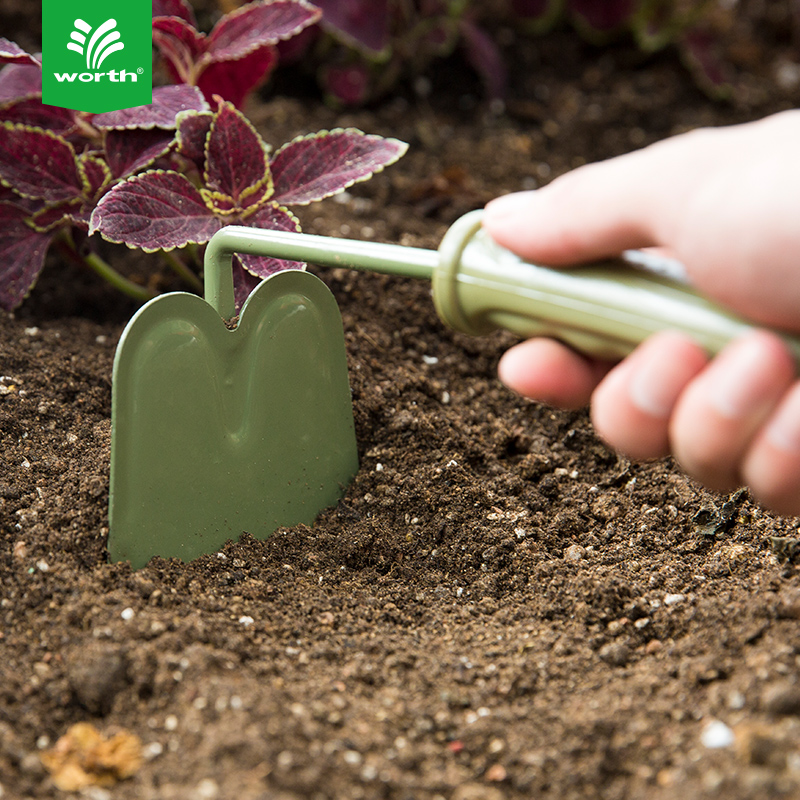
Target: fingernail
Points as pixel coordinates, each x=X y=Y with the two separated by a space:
x=736 y=389
x=783 y=431
x=653 y=390
x=508 y=209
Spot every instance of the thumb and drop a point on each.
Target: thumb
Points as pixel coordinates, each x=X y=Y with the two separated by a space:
x=595 y=211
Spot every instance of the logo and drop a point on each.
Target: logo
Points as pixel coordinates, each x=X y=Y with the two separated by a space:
x=93 y=62
x=98 y=48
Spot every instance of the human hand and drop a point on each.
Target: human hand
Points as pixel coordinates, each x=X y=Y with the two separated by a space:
x=724 y=202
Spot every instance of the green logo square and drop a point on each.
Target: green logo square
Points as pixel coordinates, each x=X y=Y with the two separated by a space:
x=97 y=56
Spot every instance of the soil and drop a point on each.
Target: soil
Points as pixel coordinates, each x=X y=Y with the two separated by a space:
x=500 y=607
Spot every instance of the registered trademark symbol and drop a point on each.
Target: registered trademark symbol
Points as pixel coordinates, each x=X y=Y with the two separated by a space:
x=140 y=70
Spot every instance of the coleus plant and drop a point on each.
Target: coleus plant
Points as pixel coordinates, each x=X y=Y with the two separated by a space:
x=376 y=42
x=227 y=175
x=654 y=24
x=370 y=44
x=58 y=165
x=238 y=54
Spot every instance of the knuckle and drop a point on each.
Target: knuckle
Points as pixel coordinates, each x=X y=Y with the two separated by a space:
x=706 y=462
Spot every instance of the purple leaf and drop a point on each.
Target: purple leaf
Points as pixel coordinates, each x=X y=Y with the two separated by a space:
x=8 y=195
x=80 y=217
x=12 y=53
x=236 y=156
x=602 y=16
x=158 y=210
x=252 y=26
x=440 y=39
x=174 y=8
x=168 y=102
x=37 y=163
x=20 y=81
x=221 y=205
x=234 y=80
x=48 y=218
x=349 y=85
x=537 y=16
x=290 y=51
x=243 y=283
x=363 y=23
x=238 y=54
x=249 y=271
x=192 y=134
x=32 y=112
x=485 y=58
x=180 y=44
x=321 y=164
x=699 y=51
x=272 y=217
x=22 y=252
x=96 y=174
x=130 y=151
x=654 y=27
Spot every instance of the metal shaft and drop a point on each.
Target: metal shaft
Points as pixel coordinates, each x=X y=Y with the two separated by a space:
x=326 y=251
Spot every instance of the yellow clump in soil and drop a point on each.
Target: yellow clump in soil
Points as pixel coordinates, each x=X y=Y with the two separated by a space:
x=83 y=757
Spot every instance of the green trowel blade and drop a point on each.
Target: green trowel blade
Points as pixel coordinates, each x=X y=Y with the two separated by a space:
x=219 y=431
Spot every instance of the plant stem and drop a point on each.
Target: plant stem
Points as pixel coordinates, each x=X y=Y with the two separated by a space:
x=120 y=282
x=66 y=245
x=182 y=270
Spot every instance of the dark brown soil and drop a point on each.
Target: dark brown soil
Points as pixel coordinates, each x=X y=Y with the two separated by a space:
x=500 y=607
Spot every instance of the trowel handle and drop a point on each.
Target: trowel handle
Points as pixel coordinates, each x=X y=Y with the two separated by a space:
x=604 y=309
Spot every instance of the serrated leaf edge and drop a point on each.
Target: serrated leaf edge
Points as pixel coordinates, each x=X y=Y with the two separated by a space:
x=237 y=12
x=185 y=114
x=66 y=215
x=94 y=227
x=297 y=228
x=87 y=186
x=50 y=134
x=210 y=198
x=151 y=125
x=266 y=148
x=4 y=106
x=169 y=146
x=401 y=151
x=34 y=61
x=189 y=8
x=266 y=183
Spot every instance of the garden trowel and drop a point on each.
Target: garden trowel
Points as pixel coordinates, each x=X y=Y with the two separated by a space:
x=218 y=430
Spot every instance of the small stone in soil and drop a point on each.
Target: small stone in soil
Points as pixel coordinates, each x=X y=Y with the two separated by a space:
x=574 y=552
x=783 y=699
x=615 y=654
x=716 y=735
x=97 y=676
x=477 y=791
